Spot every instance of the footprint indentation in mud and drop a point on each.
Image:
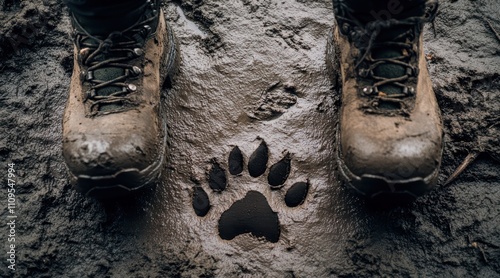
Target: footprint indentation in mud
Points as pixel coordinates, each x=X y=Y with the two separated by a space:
x=252 y=214
x=274 y=102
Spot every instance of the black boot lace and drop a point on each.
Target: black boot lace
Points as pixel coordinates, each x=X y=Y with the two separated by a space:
x=365 y=38
x=118 y=50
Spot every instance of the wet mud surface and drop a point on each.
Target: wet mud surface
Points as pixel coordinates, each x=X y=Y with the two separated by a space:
x=252 y=71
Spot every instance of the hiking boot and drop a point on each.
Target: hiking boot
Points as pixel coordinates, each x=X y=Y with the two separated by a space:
x=390 y=132
x=114 y=130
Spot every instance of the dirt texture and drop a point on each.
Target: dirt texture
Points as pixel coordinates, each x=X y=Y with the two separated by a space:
x=252 y=71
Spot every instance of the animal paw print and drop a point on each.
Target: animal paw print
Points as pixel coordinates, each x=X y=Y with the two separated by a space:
x=252 y=214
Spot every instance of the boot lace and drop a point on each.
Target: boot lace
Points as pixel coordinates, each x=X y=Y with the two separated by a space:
x=117 y=51
x=364 y=37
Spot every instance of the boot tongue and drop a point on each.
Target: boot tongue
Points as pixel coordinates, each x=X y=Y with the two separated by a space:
x=389 y=70
x=106 y=74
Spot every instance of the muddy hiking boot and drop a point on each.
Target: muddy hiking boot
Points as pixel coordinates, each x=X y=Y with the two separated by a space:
x=390 y=133
x=114 y=130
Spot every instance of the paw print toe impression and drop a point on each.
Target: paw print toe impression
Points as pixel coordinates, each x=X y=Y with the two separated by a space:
x=252 y=214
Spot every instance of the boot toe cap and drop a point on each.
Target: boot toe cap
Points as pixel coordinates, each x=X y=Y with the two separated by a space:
x=105 y=165
x=99 y=155
x=405 y=164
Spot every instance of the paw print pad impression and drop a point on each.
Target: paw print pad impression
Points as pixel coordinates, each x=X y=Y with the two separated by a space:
x=252 y=214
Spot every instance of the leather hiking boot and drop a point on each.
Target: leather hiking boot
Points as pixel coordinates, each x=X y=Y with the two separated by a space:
x=390 y=132
x=114 y=131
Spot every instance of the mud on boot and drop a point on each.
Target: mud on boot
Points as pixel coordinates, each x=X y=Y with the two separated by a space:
x=114 y=130
x=389 y=140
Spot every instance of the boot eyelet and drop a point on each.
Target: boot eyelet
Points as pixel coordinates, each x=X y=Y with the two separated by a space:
x=131 y=88
x=367 y=90
x=408 y=90
x=89 y=94
x=83 y=75
x=89 y=76
x=409 y=71
x=138 y=52
x=83 y=54
x=136 y=70
x=346 y=28
x=363 y=72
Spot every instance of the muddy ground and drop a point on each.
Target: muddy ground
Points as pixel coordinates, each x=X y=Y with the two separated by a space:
x=252 y=71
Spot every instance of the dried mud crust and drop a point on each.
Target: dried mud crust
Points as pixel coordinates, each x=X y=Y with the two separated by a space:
x=274 y=102
x=452 y=232
x=252 y=214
